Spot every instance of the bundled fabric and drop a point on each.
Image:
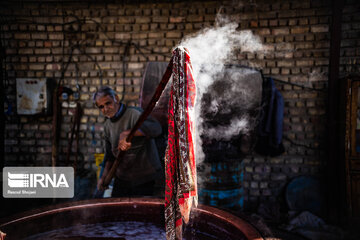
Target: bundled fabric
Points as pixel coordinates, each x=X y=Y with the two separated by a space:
x=180 y=165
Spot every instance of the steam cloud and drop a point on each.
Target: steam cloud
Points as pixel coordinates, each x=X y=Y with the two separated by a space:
x=210 y=50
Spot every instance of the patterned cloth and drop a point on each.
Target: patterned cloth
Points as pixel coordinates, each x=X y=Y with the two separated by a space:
x=180 y=165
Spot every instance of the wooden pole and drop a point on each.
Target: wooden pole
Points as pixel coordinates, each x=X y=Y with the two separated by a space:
x=74 y=131
x=55 y=126
x=142 y=118
x=334 y=191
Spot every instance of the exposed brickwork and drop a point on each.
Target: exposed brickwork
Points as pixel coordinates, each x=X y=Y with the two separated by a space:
x=350 y=45
x=295 y=33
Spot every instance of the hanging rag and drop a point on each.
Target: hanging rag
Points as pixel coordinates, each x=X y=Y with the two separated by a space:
x=270 y=127
x=180 y=166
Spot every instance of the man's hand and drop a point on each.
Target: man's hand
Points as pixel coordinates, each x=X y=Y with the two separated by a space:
x=123 y=144
x=100 y=185
x=2 y=235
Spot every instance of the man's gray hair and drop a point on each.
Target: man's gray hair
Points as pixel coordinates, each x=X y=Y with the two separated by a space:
x=104 y=91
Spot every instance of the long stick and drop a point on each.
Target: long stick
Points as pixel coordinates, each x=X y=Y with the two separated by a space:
x=142 y=118
x=55 y=126
x=78 y=114
x=70 y=141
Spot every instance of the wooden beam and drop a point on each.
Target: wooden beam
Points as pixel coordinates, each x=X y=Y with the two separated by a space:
x=333 y=153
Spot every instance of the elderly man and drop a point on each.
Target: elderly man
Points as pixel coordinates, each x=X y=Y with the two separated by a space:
x=140 y=166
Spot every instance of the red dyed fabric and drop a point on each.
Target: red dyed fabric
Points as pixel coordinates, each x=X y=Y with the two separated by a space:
x=180 y=165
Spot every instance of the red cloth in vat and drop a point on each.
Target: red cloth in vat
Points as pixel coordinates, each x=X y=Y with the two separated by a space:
x=180 y=165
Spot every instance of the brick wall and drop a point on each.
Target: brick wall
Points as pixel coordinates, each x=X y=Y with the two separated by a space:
x=298 y=35
x=350 y=46
x=39 y=38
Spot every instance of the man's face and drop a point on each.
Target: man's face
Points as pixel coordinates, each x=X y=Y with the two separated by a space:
x=107 y=106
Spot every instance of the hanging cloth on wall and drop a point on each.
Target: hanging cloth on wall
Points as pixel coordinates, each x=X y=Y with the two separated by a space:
x=180 y=166
x=270 y=127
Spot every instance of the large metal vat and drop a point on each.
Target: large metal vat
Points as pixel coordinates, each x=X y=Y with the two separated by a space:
x=216 y=224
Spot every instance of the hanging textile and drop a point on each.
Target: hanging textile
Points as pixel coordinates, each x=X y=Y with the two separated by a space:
x=180 y=165
x=270 y=127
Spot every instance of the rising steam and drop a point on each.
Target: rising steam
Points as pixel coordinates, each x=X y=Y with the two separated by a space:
x=210 y=50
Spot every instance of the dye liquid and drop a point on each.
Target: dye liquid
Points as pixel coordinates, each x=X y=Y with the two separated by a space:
x=129 y=230
x=106 y=230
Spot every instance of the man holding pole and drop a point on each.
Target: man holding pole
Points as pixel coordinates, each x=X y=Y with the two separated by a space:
x=140 y=166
